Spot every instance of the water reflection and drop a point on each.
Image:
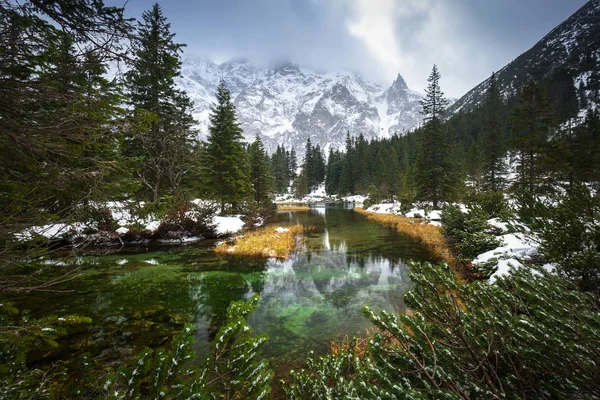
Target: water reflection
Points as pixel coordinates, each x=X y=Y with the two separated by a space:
x=315 y=296
x=140 y=298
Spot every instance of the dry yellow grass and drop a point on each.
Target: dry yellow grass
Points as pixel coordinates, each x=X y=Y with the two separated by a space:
x=429 y=236
x=266 y=242
x=293 y=208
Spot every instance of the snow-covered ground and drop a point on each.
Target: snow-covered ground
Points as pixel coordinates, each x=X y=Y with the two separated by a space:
x=513 y=252
x=228 y=224
x=121 y=213
x=320 y=196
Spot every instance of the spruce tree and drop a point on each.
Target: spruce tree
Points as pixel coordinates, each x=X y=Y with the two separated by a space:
x=347 y=178
x=435 y=173
x=225 y=167
x=259 y=171
x=60 y=118
x=493 y=139
x=531 y=121
x=166 y=139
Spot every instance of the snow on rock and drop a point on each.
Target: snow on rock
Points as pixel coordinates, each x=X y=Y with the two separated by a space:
x=51 y=231
x=433 y=216
x=385 y=208
x=286 y=104
x=152 y=225
x=511 y=253
x=496 y=223
x=357 y=198
x=228 y=224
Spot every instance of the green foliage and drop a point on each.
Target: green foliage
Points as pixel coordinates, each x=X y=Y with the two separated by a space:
x=283 y=168
x=262 y=181
x=233 y=369
x=493 y=204
x=225 y=165
x=161 y=373
x=468 y=232
x=314 y=165
x=494 y=145
x=184 y=219
x=531 y=120
x=435 y=174
x=95 y=217
x=469 y=340
x=19 y=334
x=61 y=118
x=568 y=228
x=165 y=146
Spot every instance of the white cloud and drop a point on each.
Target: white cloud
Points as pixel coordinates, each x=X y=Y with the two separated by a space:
x=409 y=36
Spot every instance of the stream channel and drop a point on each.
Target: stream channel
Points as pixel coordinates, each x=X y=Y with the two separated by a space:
x=140 y=297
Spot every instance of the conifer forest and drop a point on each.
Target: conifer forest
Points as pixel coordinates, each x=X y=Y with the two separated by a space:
x=176 y=228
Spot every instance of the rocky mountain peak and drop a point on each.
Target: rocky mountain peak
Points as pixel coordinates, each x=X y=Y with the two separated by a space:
x=286 y=104
x=399 y=83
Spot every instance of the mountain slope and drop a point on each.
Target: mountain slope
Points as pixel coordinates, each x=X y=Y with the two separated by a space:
x=287 y=104
x=573 y=45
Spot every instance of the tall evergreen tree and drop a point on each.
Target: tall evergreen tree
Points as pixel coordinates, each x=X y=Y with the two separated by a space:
x=259 y=171
x=493 y=138
x=318 y=167
x=165 y=145
x=59 y=116
x=435 y=173
x=531 y=121
x=347 y=178
x=225 y=167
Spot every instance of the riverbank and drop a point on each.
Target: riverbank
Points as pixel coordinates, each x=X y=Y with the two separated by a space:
x=429 y=236
x=135 y=223
x=517 y=246
x=268 y=242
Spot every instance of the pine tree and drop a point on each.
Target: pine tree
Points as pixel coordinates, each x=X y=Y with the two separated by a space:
x=225 y=168
x=334 y=172
x=493 y=139
x=435 y=173
x=434 y=104
x=259 y=171
x=318 y=167
x=165 y=146
x=60 y=121
x=531 y=121
x=293 y=165
x=347 y=178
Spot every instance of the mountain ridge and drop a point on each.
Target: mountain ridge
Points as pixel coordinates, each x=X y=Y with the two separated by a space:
x=570 y=46
x=286 y=104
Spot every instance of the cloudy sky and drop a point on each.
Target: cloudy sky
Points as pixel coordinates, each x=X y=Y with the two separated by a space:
x=467 y=39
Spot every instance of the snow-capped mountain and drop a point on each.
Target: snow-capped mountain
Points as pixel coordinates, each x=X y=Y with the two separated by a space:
x=287 y=104
x=574 y=46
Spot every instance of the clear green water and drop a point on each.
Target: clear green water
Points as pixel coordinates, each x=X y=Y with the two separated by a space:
x=141 y=297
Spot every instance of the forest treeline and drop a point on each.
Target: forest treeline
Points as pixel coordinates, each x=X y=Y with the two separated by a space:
x=527 y=141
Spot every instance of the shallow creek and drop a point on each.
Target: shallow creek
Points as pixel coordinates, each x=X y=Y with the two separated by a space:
x=141 y=296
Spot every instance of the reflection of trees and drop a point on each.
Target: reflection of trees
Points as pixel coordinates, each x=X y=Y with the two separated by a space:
x=212 y=292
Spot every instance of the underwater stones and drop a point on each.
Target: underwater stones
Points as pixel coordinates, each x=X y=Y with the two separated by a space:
x=150 y=311
x=318 y=317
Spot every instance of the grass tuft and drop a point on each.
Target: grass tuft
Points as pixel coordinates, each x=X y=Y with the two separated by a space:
x=293 y=208
x=268 y=242
x=429 y=236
